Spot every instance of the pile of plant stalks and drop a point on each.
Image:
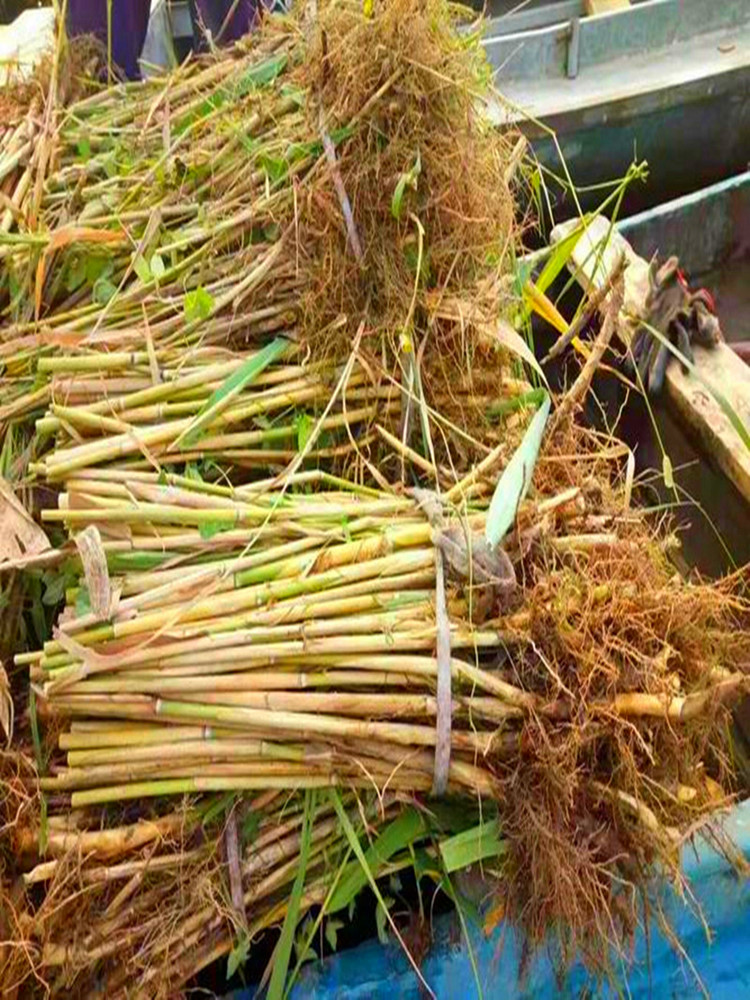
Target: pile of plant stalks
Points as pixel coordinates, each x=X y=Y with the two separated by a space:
x=250 y=411
x=252 y=325
x=150 y=905
x=323 y=174
x=26 y=106
x=259 y=641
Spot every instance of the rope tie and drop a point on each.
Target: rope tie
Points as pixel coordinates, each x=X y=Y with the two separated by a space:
x=465 y=556
x=433 y=509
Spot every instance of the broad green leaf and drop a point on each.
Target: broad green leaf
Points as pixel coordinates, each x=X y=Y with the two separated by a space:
x=142 y=269
x=464 y=849
x=124 y=562
x=409 y=179
x=555 y=263
x=516 y=478
x=198 y=304
x=261 y=75
x=534 y=397
x=103 y=291
x=406 y=829
x=284 y=947
x=219 y=400
x=275 y=167
x=83 y=148
x=560 y=256
x=97 y=267
x=207 y=529
x=75 y=273
x=332 y=932
x=304 y=424
x=157 y=267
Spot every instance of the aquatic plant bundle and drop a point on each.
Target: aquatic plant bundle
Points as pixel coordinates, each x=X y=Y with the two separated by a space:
x=250 y=412
x=322 y=175
x=151 y=904
x=258 y=640
x=258 y=292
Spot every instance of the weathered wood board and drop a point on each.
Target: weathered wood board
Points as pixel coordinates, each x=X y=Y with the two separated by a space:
x=594 y=256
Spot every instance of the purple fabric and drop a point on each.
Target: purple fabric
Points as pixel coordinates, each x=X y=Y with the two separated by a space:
x=213 y=14
x=129 y=25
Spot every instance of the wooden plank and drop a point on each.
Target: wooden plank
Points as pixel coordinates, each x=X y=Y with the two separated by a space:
x=594 y=256
x=605 y=6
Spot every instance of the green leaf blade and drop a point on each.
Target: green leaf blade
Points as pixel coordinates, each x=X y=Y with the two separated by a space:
x=283 y=951
x=198 y=304
x=477 y=844
x=404 y=830
x=516 y=478
x=261 y=75
x=219 y=400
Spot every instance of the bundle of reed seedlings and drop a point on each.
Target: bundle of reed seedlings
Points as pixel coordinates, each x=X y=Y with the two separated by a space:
x=329 y=187
x=319 y=603
x=259 y=638
x=142 y=907
x=248 y=411
x=29 y=110
x=251 y=411
x=212 y=209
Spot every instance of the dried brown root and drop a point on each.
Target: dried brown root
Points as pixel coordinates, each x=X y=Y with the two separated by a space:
x=19 y=808
x=630 y=749
x=404 y=89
